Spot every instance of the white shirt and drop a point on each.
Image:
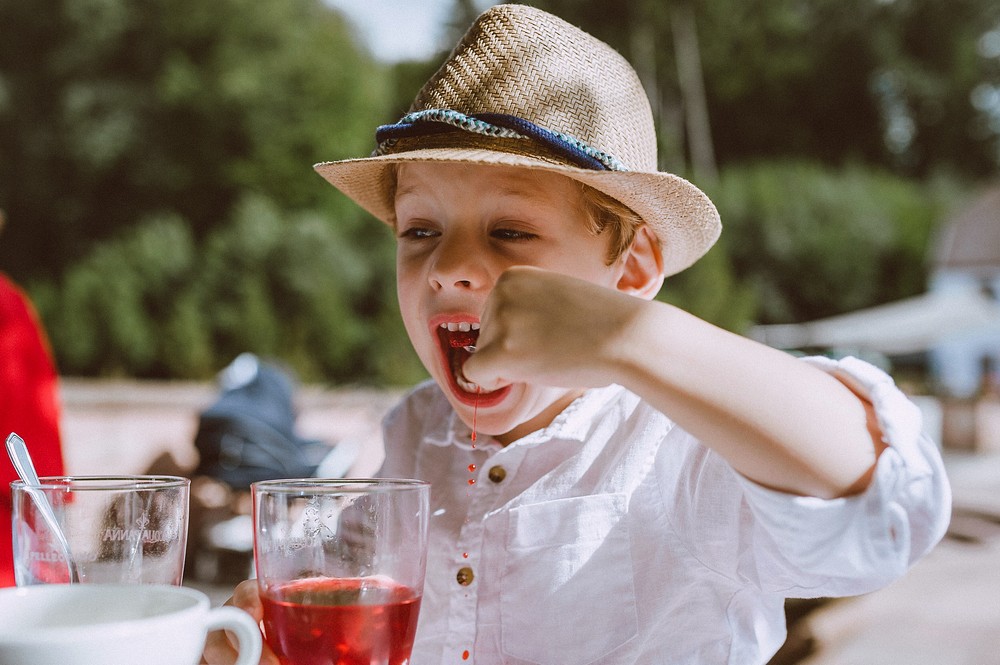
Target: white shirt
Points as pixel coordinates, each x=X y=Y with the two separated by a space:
x=613 y=536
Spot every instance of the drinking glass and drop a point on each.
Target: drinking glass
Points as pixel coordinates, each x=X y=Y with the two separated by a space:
x=129 y=529
x=340 y=568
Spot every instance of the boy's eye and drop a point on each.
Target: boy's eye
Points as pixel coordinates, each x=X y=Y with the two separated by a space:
x=417 y=233
x=512 y=234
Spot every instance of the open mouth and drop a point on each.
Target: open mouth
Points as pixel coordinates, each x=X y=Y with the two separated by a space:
x=457 y=340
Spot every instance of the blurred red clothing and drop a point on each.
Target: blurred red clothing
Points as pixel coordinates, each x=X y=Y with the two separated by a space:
x=29 y=403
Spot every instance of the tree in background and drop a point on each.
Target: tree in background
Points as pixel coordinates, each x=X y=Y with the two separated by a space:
x=890 y=84
x=112 y=110
x=907 y=85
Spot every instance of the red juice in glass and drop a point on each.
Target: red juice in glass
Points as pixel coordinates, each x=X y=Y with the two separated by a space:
x=341 y=621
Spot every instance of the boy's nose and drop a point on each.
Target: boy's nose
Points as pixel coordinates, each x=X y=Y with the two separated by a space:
x=458 y=265
x=444 y=280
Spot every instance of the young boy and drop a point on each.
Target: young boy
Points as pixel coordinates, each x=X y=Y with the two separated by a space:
x=613 y=480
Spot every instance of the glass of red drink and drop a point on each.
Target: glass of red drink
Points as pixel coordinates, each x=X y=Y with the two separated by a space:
x=340 y=567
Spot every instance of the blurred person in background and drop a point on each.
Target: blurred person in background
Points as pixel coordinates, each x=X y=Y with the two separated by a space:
x=29 y=400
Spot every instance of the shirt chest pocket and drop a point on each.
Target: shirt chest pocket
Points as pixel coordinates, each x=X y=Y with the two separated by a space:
x=567 y=592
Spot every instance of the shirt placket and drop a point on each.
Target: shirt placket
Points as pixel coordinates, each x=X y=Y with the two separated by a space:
x=484 y=495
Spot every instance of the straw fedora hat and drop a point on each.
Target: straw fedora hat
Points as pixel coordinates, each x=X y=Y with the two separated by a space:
x=525 y=88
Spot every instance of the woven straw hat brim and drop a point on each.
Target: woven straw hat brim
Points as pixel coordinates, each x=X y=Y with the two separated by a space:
x=682 y=216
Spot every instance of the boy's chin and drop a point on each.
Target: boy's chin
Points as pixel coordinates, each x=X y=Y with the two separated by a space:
x=495 y=425
x=476 y=400
x=491 y=416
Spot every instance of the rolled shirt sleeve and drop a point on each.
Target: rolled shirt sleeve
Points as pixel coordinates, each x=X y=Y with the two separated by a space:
x=856 y=544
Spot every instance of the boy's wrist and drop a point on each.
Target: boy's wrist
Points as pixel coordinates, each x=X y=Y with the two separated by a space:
x=634 y=351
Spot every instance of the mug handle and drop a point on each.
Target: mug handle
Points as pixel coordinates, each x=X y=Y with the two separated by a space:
x=243 y=626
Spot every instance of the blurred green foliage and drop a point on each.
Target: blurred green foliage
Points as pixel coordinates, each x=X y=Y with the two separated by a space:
x=155 y=167
x=801 y=241
x=152 y=303
x=113 y=110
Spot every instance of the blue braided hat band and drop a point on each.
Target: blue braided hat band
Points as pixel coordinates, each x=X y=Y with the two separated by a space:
x=497 y=125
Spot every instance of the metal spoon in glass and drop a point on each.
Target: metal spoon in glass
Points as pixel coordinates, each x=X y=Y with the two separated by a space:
x=19 y=456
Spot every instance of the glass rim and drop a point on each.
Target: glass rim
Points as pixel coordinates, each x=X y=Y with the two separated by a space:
x=101 y=483
x=336 y=485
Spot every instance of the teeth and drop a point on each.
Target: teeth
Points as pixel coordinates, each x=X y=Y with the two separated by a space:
x=465 y=384
x=464 y=326
x=455 y=342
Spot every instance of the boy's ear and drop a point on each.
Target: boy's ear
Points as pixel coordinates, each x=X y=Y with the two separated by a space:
x=642 y=271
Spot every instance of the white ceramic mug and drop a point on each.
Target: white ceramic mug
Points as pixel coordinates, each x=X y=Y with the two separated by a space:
x=111 y=624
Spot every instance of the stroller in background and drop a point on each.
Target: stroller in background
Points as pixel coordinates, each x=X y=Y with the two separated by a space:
x=247 y=434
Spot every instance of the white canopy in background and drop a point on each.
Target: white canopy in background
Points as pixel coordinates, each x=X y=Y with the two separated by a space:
x=906 y=326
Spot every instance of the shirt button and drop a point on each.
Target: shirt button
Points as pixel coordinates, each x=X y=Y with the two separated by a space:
x=497 y=474
x=464 y=576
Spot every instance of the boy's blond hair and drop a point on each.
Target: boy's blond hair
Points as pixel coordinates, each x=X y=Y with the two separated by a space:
x=607 y=214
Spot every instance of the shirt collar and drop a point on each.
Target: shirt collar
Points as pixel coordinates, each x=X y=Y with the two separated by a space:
x=575 y=422
x=456 y=433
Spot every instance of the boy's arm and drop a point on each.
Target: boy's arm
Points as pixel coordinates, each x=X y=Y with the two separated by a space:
x=779 y=421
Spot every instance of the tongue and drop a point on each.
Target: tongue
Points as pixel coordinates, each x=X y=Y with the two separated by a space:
x=459 y=339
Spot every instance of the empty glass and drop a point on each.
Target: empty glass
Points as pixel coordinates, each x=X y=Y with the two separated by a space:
x=118 y=529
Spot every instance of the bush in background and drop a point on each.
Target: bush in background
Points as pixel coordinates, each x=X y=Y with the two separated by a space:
x=812 y=241
x=152 y=303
